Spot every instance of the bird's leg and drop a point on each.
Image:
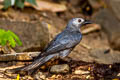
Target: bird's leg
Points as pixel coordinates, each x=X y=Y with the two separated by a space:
x=68 y=59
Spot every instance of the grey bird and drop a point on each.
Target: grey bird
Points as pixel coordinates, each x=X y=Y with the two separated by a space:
x=60 y=46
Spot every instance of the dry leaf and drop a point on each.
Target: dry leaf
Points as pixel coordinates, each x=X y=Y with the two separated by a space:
x=47 y=6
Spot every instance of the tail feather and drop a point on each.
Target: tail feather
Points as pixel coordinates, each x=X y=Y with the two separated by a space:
x=35 y=65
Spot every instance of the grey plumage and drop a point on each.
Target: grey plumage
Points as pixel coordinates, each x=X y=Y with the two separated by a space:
x=60 y=46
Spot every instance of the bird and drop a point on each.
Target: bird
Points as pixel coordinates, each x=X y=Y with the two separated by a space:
x=60 y=46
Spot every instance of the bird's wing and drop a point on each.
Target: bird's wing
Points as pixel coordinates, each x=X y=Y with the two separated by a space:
x=64 y=53
x=62 y=42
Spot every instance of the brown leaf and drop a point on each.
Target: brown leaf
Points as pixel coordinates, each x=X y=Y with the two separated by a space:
x=47 y=6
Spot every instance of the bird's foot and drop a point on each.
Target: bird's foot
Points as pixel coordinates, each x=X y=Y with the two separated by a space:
x=67 y=59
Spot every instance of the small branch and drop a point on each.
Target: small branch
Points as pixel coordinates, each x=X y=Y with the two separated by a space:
x=25 y=56
x=85 y=46
x=91 y=28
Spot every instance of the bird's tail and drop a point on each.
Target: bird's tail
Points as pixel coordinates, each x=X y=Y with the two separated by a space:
x=35 y=65
x=38 y=62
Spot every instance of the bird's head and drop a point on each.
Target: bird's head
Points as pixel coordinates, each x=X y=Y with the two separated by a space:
x=76 y=23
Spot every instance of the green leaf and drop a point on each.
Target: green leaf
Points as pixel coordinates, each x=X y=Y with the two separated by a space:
x=15 y=37
x=20 y=3
x=17 y=3
x=11 y=41
x=32 y=2
x=7 y=3
x=9 y=37
x=4 y=42
x=2 y=37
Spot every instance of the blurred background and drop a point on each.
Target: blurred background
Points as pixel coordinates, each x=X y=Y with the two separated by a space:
x=36 y=22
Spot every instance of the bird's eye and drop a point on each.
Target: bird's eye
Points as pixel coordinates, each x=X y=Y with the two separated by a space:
x=79 y=20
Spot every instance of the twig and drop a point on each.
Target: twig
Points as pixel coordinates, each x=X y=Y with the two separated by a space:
x=25 y=56
x=92 y=28
x=85 y=46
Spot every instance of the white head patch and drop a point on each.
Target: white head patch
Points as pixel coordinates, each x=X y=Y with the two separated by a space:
x=77 y=21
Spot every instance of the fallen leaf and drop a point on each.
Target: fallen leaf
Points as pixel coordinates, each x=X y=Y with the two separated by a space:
x=91 y=28
x=81 y=72
x=47 y=6
x=18 y=77
x=89 y=68
x=1 y=6
x=115 y=79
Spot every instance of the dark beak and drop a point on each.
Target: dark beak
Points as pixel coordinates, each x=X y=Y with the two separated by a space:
x=87 y=22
